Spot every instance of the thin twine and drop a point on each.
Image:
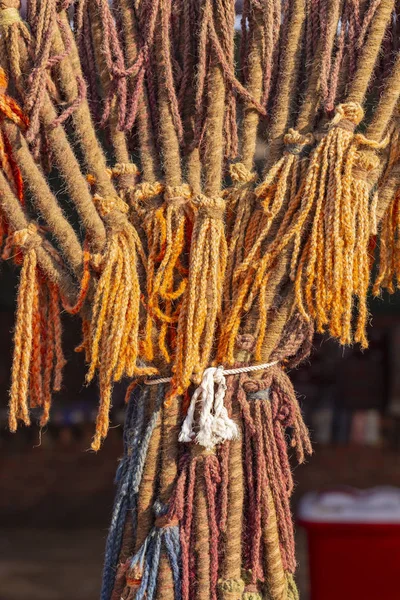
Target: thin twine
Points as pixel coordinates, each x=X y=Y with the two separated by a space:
x=248 y=369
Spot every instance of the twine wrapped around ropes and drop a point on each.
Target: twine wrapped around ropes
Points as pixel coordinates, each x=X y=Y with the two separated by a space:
x=264 y=180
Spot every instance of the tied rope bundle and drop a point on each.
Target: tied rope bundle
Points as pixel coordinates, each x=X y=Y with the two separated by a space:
x=229 y=190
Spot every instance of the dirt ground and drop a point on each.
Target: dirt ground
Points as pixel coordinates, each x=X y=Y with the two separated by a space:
x=50 y=565
x=37 y=564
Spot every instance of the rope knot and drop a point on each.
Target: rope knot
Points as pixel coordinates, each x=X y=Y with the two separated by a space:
x=124 y=169
x=9 y=15
x=347 y=116
x=212 y=208
x=365 y=163
x=245 y=341
x=145 y=191
x=296 y=143
x=254 y=386
x=163 y=518
x=177 y=195
x=214 y=425
x=241 y=174
x=27 y=238
x=109 y=204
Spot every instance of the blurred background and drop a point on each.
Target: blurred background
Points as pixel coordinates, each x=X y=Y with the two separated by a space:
x=56 y=496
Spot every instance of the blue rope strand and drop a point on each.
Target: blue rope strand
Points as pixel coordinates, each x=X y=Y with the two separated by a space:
x=128 y=478
x=133 y=428
x=172 y=545
x=154 y=563
x=159 y=538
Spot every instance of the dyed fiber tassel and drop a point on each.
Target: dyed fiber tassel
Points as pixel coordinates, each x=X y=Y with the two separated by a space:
x=334 y=265
x=239 y=204
x=196 y=499
x=115 y=314
x=143 y=568
x=167 y=230
x=139 y=575
x=388 y=276
x=202 y=303
x=38 y=359
x=269 y=408
x=279 y=190
x=137 y=434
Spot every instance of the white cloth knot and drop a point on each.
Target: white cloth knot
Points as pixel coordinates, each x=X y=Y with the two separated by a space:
x=214 y=425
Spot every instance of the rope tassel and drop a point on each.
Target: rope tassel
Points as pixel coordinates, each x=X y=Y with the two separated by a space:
x=38 y=359
x=334 y=266
x=130 y=474
x=143 y=568
x=269 y=407
x=115 y=315
x=196 y=500
x=167 y=275
x=278 y=190
x=202 y=303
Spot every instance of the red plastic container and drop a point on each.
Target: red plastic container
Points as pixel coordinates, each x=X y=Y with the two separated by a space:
x=353 y=543
x=353 y=561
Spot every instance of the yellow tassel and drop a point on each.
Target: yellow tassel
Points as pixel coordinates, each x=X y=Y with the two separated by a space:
x=317 y=219
x=38 y=358
x=166 y=274
x=334 y=268
x=202 y=301
x=114 y=344
x=388 y=276
x=277 y=193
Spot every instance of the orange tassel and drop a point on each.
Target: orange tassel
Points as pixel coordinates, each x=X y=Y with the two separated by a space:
x=38 y=358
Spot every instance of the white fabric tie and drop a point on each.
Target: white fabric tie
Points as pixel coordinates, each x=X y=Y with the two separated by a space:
x=215 y=426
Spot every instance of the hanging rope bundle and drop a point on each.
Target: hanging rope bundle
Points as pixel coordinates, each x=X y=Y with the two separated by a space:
x=265 y=177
